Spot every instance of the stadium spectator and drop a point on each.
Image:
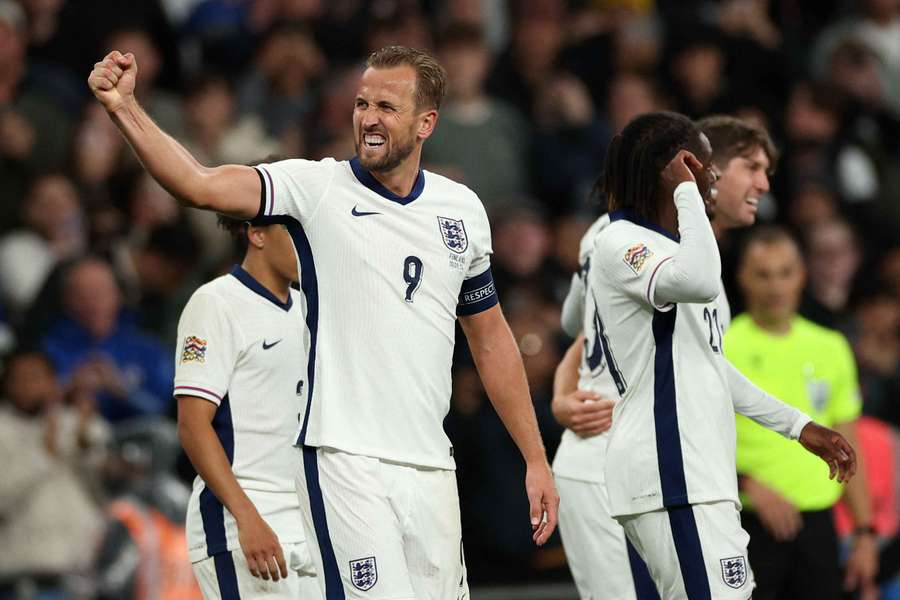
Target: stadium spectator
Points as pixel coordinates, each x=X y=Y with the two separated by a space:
x=833 y=257
x=96 y=348
x=470 y=118
x=143 y=553
x=787 y=498
x=280 y=87
x=51 y=451
x=54 y=232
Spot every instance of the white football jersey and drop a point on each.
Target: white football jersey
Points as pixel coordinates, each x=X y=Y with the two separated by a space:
x=583 y=458
x=244 y=350
x=673 y=438
x=385 y=278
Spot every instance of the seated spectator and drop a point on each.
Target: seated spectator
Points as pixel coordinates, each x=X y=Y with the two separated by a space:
x=54 y=232
x=50 y=451
x=144 y=549
x=472 y=119
x=96 y=347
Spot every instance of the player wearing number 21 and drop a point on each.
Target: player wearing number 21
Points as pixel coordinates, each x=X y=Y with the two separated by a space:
x=390 y=257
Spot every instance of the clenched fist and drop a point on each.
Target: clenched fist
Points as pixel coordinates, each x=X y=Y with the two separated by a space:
x=113 y=79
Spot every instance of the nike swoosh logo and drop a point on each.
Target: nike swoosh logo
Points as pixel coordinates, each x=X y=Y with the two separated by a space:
x=357 y=213
x=267 y=346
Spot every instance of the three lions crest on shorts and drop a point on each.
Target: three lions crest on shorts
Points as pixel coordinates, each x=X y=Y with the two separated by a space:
x=364 y=573
x=454 y=234
x=734 y=571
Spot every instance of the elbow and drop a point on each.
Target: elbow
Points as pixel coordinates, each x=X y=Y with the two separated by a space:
x=184 y=432
x=706 y=289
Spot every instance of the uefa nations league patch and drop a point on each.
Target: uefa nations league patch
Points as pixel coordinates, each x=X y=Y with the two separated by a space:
x=734 y=571
x=636 y=257
x=364 y=573
x=194 y=350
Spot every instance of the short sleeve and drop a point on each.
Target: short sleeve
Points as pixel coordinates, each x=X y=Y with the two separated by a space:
x=845 y=404
x=207 y=349
x=478 y=292
x=295 y=187
x=632 y=266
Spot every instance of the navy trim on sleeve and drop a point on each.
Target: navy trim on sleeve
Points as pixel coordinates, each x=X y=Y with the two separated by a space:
x=477 y=295
x=262 y=195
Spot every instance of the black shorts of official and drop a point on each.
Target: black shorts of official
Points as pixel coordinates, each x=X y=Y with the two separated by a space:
x=805 y=568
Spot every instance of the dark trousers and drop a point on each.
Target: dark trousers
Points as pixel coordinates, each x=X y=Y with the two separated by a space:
x=807 y=567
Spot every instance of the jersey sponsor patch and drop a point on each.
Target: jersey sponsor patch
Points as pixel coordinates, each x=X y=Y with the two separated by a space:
x=453 y=232
x=194 y=350
x=636 y=257
x=364 y=573
x=734 y=571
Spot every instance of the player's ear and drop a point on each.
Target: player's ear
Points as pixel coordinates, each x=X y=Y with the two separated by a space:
x=256 y=236
x=427 y=123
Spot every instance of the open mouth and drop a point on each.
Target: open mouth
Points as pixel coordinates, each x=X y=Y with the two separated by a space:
x=374 y=140
x=754 y=202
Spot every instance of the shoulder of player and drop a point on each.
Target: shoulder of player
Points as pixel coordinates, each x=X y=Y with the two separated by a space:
x=300 y=166
x=437 y=183
x=587 y=240
x=820 y=336
x=215 y=295
x=618 y=237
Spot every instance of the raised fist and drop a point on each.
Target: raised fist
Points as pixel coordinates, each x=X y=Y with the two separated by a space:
x=113 y=79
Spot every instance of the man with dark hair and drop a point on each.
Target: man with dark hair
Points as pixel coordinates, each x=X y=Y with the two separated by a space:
x=390 y=257
x=787 y=501
x=238 y=396
x=588 y=531
x=651 y=318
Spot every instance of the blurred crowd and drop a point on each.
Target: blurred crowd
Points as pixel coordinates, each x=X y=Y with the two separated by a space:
x=96 y=260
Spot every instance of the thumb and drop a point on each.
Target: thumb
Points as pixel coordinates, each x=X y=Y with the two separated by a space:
x=586 y=395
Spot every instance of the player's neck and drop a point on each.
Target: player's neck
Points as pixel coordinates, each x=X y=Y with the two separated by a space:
x=774 y=325
x=265 y=274
x=668 y=219
x=719 y=230
x=401 y=179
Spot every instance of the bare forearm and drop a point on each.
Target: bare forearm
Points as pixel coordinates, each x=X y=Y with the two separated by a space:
x=230 y=189
x=208 y=457
x=856 y=492
x=503 y=375
x=565 y=380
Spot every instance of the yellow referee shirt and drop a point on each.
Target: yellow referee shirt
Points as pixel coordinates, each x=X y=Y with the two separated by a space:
x=811 y=368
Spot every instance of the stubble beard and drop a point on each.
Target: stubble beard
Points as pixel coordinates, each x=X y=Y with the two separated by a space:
x=389 y=161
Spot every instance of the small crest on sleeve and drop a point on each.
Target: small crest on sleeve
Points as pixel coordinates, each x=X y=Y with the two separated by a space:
x=194 y=350
x=453 y=233
x=636 y=257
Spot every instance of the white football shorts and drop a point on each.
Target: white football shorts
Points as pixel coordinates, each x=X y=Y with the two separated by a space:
x=226 y=576
x=694 y=552
x=380 y=530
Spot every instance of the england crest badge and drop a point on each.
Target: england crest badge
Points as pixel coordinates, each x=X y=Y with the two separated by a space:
x=364 y=573
x=734 y=571
x=453 y=233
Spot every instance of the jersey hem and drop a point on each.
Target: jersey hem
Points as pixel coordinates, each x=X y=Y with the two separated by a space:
x=384 y=456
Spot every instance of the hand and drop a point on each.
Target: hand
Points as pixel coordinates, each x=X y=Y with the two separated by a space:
x=831 y=447
x=113 y=79
x=778 y=516
x=261 y=548
x=543 y=501
x=584 y=412
x=681 y=169
x=862 y=566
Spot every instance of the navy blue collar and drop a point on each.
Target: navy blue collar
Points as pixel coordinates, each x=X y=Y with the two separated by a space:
x=248 y=280
x=624 y=214
x=368 y=180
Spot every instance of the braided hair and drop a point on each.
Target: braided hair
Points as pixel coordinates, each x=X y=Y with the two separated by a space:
x=637 y=156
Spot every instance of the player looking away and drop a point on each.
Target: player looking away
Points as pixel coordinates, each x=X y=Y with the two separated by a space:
x=596 y=548
x=390 y=257
x=654 y=281
x=240 y=339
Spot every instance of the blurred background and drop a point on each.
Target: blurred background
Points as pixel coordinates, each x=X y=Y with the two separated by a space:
x=97 y=261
